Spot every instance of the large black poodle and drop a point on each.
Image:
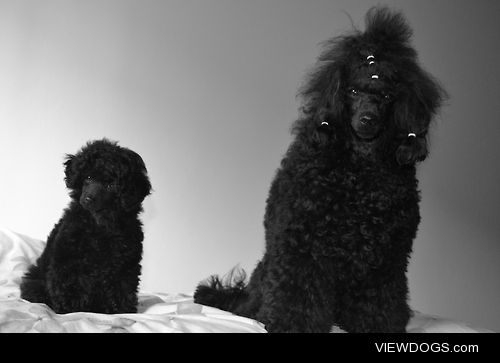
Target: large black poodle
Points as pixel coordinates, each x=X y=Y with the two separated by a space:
x=343 y=209
x=92 y=258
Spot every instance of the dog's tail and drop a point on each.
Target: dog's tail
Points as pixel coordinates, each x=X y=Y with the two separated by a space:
x=225 y=293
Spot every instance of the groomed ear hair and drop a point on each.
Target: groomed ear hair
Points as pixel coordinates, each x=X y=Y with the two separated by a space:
x=323 y=95
x=137 y=185
x=413 y=149
x=414 y=111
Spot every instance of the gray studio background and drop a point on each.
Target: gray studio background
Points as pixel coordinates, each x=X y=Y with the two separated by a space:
x=205 y=91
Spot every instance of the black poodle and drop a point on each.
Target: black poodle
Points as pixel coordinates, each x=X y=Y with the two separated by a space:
x=343 y=209
x=92 y=258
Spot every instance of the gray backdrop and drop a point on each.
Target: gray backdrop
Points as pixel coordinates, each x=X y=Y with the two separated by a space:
x=205 y=91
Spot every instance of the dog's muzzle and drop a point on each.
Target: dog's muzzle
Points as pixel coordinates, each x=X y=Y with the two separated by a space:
x=93 y=197
x=367 y=125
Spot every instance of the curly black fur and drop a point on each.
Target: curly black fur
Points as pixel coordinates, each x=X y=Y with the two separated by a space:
x=343 y=209
x=92 y=258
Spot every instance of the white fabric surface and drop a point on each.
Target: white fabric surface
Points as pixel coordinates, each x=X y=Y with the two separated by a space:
x=157 y=312
x=17 y=252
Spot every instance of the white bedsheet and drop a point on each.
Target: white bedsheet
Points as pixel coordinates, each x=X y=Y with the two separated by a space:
x=167 y=313
x=157 y=312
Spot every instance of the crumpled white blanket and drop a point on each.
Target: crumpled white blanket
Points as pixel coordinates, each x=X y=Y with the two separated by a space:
x=167 y=313
x=157 y=312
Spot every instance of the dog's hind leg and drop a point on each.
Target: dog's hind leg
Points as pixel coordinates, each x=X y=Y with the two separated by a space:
x=33 y=286
x=296 y=304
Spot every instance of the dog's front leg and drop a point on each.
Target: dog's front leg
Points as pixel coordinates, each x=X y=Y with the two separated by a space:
x=120 y=295
x=377 y=308
x=67 y=289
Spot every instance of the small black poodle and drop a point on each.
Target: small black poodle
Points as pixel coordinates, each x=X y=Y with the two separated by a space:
x=343 y=209
x=92 y=258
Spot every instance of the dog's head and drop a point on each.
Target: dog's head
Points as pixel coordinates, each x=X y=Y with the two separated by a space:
x=105 y=177
x=368 y=88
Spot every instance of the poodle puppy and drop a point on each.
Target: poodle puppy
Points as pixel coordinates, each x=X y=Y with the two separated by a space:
x=343 y=208
x=91 y=261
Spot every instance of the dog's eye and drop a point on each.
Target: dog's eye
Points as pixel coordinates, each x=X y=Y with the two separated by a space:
x=354 y=91
x=88 y=179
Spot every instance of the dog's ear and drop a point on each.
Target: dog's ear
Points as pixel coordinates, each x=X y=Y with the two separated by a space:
x=69 y=172
x=323 y=103
x=136 y=185
x=413 y=149
x=412 y=124
x=414 y=110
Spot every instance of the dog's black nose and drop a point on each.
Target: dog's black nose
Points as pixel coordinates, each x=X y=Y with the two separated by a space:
x=89 y=199
x=367 y=119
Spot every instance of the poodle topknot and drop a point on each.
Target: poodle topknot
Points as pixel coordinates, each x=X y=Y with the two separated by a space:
x=91 y=261
x=343 y=208
x=368 y=88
